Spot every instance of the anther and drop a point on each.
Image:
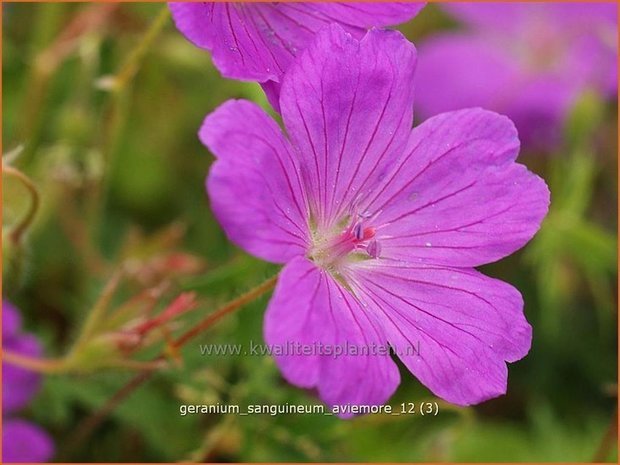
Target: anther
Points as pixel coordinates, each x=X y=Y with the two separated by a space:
x=373 y=248
x=358 y=231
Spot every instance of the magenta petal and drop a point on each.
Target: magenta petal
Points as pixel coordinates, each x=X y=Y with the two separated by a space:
x=347 y=106
x=457 y=198
x=259 y=41
x=501 y=16
x=508 y=16
x=19 y=385
x=542 y=108
x=310 y=308
x=272 y=92
x=25 y=442
x=465 y=325
x=11 y=321
x=236 y=37
x=457 y=71
x=193 y=20
x=254 y=186
x=488 y=75
x=530 y=61
x=367 y=15
x=591 y=62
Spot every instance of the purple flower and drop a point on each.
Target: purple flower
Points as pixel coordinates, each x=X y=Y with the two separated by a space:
x=259 y=41
x=379 y=225
x=19 y=385
x=530 y=61
x=22 y=441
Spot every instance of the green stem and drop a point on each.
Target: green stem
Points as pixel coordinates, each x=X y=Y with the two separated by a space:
x=34 y=364
x=134 y=60
x=48 y=61
x=22 y=226
x=118 y=110
x=230 y=307
x=96 y=315
x=90 y=424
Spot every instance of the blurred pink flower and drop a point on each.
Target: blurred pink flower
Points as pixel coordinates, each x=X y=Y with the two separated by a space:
x=528 y=60
x=22 y=441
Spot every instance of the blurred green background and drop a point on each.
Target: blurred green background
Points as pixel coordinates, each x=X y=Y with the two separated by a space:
x=121 y=176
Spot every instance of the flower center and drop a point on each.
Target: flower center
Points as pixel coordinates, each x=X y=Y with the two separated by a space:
x=354 y=238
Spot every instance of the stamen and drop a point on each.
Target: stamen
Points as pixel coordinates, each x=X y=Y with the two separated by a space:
x=355 y=238
x=358 y=232
x=373 y=248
